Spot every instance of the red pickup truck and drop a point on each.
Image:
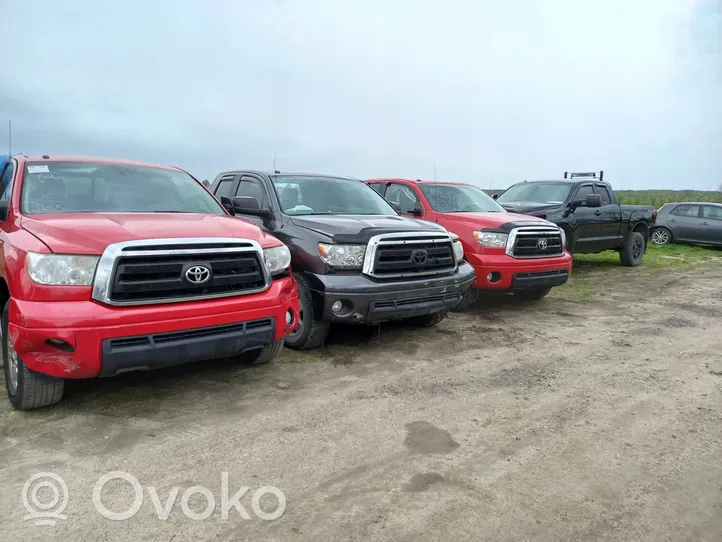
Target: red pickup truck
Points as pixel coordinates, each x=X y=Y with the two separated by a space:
x=510 y=252
x=111 y=266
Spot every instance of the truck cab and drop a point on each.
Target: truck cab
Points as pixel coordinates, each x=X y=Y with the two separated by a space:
x=510 y=252
x=110 y=266
x=355 y=260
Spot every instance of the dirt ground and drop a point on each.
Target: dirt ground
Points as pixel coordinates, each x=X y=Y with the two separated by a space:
x=557 y=420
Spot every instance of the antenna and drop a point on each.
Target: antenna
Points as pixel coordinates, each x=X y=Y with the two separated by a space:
x=274 y=160
x=434 y=172
x=491 y=182
x=10 y=137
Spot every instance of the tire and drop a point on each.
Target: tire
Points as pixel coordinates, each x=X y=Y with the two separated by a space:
x=26 y=389
x=427 y=320
x=661 y=236
x=467 y=300
x=310 y=333
x=633 y=250
x=532 y=295
x=265 y=355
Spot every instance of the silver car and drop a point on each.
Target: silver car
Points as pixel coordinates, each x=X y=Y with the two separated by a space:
x=688 y=222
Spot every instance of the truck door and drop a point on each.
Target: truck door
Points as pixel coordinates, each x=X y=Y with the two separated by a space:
x=610 y=216
x=405 y=197
x=587 y=222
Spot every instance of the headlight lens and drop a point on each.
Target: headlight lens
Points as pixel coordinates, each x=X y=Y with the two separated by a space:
x=278 y=259
x=342 y=256
x=458 y=250
x=61 y=269
x=564 y=237
x=491 y=239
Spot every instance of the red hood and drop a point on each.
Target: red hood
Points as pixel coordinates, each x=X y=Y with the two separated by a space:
x=490 y=220
x=91 y=233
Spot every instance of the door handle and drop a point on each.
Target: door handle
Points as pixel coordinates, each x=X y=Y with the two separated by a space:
x=597 y=213
x=673 y=220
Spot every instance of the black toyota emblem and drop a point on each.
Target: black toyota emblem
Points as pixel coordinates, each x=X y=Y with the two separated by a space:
x=419 y=257
x=542 y=244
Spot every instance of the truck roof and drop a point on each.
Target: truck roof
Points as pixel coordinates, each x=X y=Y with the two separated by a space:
x=289 y=174
x=89 y=160
x=417 y=181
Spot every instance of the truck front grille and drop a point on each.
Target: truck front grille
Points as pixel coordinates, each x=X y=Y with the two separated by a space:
x=396 y=255
x=167 y=272
x=536 y=242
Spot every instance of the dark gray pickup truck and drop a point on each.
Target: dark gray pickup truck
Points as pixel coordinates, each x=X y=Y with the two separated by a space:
x=585 y=207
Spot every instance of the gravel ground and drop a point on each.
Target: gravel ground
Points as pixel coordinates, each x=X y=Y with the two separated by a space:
x=514 y=421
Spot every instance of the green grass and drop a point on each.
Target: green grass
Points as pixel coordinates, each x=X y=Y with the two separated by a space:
x=592 y=271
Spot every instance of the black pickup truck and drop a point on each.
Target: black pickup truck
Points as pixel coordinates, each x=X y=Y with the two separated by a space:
x=585 y=207
x=355 y=260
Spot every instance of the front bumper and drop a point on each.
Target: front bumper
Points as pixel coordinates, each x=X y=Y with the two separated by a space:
x=368 y=301
x=520 y=273
x=85 y=339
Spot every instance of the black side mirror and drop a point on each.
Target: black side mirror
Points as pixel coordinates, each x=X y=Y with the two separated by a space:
x=206 y=183
x=495 y=196
x=418 y=211
x=248 y=205
x=228 y=205
x=396 y=206
x=593 y=200
x=4 y=207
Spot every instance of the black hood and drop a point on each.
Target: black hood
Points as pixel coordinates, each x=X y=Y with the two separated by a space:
x=360 y=228
x=529 y=207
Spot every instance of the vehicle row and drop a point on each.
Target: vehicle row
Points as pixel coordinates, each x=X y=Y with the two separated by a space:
x=112 y=266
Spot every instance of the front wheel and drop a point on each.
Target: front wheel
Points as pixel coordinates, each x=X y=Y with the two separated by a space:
x=427 y=320
x=26 y=390
x=264 y=355
x=467 y=300
x=661 y=236
x=633 y=250
x=309 y=332
x=532 y=295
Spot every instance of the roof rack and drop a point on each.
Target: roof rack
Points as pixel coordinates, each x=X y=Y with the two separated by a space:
x=592 y=174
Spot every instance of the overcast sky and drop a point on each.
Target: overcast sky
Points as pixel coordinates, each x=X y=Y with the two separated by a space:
x=488 y=91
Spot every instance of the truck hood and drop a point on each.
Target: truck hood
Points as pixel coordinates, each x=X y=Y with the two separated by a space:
x=91 y=233
x=360 y=228
x=529 y=207
x=489 y=220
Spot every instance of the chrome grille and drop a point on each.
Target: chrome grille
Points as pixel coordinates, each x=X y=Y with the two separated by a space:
x=535 y=242
x=398 y=255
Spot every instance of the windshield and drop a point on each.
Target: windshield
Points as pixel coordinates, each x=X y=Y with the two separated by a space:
x=536 y=193
x=459 y=198
x=310 y=195
x=89 y=187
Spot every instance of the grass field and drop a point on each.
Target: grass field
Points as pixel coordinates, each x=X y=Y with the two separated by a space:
x=592 y=271
x=657 y=198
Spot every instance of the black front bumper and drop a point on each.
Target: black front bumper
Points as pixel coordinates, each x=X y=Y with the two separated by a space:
x=539 y=280
x=368 y=301
x=145 y=352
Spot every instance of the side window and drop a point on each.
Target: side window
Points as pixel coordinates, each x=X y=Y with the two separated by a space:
x=583 y=191
x=379 y=187
x=6 y=182
x=253 y=188
x=712 y=212
x=224 y=187
x=404 y=196
x=690 y=211
x=603 y=191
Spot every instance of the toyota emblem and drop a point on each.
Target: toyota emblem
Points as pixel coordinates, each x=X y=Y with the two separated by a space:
x=198 y=274
x=542 y=244
x=420 y=257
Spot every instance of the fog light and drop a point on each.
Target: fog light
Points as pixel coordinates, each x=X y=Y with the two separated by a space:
x=493 y=277
x=337 y=306
x=489 y=277
x=289 y=317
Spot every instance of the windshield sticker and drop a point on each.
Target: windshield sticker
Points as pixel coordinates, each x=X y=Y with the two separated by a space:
x=38 y=169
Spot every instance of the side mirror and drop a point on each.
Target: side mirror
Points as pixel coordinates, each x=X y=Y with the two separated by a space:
x=593 y=200
x=495 y=196
x=206 y=183
x=418 y=211
x=4 y=207
x=228 y=205
x=248 y=205
x=396 y=206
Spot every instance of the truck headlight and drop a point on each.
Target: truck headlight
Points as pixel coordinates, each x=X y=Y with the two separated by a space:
x=458 y=248
x=491 y=239
x=277 y=259
x=61 y=269
x=342 y=256
x=564 y=237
